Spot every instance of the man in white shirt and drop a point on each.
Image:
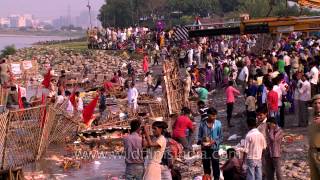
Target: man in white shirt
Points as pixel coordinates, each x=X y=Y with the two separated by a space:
x=281 y=89
x=287 y=61
x=198 y=54
x=79 y=102
x=59 y=100
x=254 y=144
x=69 y=106
x=133 y=98
x=305 y=97
x=190 y=56
x=164 y=53
x=296 y=97
x=314 y=77
x=244 y=76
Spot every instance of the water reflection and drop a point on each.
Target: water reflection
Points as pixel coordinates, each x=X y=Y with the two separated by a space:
x=48 y=167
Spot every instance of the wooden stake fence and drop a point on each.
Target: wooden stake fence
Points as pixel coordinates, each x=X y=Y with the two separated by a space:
x=25 y=137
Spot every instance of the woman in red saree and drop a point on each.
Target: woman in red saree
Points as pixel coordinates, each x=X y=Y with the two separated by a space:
x=145 y=63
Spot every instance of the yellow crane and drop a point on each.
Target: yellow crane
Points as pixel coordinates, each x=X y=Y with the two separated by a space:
x=309 y=3
x=272 y=25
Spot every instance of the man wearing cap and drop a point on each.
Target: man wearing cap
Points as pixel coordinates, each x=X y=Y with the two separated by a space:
x=314 y=140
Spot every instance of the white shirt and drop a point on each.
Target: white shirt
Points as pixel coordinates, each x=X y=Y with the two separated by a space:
x=157 y=153
x=59 y=99
x=157 y=47
x=133 y=95
x=296 y=95
x=23 y=92
x=314 y=75
x=69 y=107
x=244 y=74
x=254 y=144
x=305 y=91
x=80 y=104
x=287 y=60
x=277 y=89
x=190 y=54
x=121 y=81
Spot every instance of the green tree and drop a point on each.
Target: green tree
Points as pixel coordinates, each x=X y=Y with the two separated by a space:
x=116 y=13
x=255 y=8
x=123 y=13
x=229 y=5
x=8 y=50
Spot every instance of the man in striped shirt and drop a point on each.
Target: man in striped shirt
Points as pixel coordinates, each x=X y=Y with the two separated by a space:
x=203 y=109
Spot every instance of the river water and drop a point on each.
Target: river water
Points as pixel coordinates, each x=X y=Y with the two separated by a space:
x=21 y=41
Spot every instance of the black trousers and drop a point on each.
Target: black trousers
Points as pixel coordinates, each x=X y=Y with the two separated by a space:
x=314 y=89
x=281 y=123
x=211 y=158
x=287 y=69
x=229 y=111
x=156 y=86
x=181 y=62
x=156 y=60
x=251 y=114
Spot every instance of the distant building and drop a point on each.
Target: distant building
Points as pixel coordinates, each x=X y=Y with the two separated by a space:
x=62 y=21
x=83 y=20
x=4 y=22
x=18 y=21
x=30 y=22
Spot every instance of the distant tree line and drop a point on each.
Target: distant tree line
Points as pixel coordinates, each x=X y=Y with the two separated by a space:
x=8 y=50
x=124 y=13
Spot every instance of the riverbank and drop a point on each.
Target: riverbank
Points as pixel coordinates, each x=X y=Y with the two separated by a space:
x=41 y=33
x=24 y=41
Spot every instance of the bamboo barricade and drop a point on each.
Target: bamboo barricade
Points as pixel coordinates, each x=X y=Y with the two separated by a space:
x=157 y=109
x=63 y=126
x=3 y=130
x=23 y=133
x=3 y=96
x=46 y=125
x=173 y=87
x=12 y=174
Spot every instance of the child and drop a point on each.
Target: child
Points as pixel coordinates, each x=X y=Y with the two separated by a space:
x=251 y=106
x=149 y=80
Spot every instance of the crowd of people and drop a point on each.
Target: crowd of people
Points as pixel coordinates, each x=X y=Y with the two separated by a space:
x=282 y=78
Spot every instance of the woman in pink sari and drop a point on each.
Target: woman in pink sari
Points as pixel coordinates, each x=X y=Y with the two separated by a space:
x=145 y=63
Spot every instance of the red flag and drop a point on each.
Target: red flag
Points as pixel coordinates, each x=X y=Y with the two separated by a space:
x=20 y=99
x=43 y=118
x=89 y=110
x=47 y=79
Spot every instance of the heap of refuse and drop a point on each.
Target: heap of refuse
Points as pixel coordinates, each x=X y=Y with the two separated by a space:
x=93 y=62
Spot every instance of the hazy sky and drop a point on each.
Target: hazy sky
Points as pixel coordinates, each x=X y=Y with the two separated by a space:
x=46 y=9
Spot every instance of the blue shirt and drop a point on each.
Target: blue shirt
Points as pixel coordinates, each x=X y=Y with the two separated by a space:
x=251 y=90
x=214 y=133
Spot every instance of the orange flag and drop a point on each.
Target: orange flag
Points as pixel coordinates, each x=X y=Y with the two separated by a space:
x=89 y=110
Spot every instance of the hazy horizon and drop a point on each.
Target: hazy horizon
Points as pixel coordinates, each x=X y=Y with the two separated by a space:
x=47 y=9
